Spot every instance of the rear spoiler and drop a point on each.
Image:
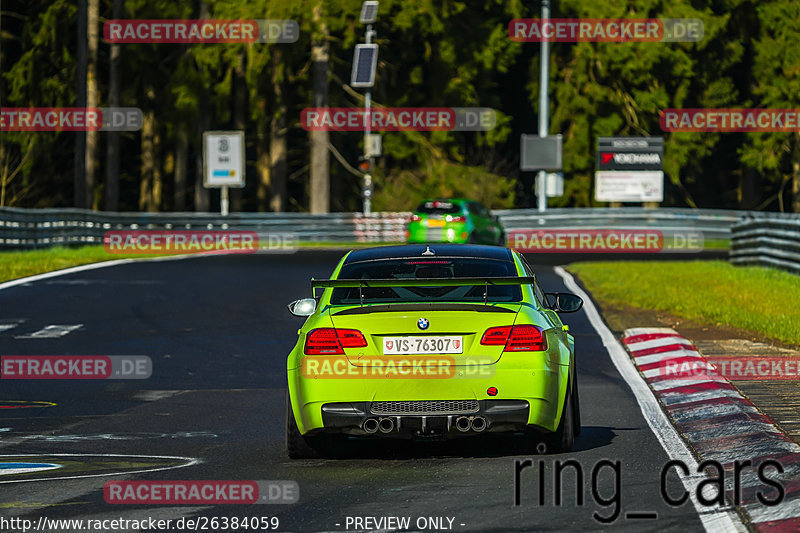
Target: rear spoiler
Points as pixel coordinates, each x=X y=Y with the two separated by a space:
x=419 y=282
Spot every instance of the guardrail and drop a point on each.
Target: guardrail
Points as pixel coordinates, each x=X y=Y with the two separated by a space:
x=40 y=228
x=773 y=242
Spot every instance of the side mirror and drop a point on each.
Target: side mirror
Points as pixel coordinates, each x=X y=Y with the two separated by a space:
x=303 y=307
x=563 y=302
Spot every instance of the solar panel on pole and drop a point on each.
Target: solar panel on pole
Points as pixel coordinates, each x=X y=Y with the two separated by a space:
x=369 y=12
x=365 y=60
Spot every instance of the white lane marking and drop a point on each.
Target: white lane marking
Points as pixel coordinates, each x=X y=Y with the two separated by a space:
x=761 y=513
x=189 y=461
x=91 y=266
x=713 y=519
x=717 y=409
x=630 y=332
x=678 y=398
x=10 y=323
x=658 y=357
x=736 y=428
x=681 y=382
x=658 y=343
x=10 y=469
x=666 y=369
x=52 y=331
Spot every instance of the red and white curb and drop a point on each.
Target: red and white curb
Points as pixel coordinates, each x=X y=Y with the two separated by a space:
x=721 y=425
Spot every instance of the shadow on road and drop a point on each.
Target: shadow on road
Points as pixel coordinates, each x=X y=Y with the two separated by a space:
x=484 y=446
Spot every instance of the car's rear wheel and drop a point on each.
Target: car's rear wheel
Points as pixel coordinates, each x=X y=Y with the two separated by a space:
x=301 y=447
x=562 y=440
x=296 y=444
x=576 y=406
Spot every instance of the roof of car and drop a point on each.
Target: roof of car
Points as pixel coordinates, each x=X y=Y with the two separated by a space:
x=451 y=200
x=439 y=250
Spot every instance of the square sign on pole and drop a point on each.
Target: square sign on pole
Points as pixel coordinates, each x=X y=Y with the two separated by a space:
x=373 y=148
x=223 y=162
x=540 y=153
x=223 y=159
x=365 y=59
x=629 y=169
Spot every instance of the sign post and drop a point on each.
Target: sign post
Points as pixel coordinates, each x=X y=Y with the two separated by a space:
x=365 y=60
x=223 y=163
x=629 y=169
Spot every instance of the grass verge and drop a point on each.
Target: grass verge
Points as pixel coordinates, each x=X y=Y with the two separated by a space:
x=22 y=263
x=19 y=264
x=761 y=300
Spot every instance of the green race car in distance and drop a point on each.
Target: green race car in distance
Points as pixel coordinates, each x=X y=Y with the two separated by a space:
x=454 y=220
x=431 y=342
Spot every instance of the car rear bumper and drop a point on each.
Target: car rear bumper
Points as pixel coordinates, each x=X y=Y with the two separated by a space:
x=421 y=419
x=518 y=378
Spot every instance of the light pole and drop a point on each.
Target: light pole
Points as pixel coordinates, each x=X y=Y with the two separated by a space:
x=544 y=64
x=368 y=36
x=365 y=61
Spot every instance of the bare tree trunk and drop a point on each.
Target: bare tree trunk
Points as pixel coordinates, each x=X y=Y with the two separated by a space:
x=79 y=192
x=320 y=179
x=796 y=175
x=92 y=99
x=201 y=196
x=113 y=137
x=262 y=156
x=147 y=164
x=157 y=197
x=277 y=137
x=239 y=93
x=746 y=189
x=181 y=168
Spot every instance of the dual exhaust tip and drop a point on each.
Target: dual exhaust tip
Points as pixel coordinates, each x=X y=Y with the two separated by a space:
x=372 y=425
x=474 y=423
x=477 y=424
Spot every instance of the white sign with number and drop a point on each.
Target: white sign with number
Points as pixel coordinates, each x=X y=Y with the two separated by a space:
x=223 y=158
x=632 y=186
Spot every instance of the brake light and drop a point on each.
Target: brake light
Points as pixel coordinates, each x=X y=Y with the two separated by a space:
x=331 y=341
x=351 y=338
x=526 y=338
x=521 y=338
x=496 y=336
x=415 y=218
x=451 y=218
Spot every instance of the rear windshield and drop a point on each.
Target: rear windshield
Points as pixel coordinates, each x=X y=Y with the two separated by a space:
x=414 y=268
x=439 y=208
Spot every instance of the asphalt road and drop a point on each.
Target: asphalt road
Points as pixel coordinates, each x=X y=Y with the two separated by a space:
x=217 y=331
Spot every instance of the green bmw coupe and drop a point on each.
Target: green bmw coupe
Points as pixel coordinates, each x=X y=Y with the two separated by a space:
x=431 y=342
x=454 y=220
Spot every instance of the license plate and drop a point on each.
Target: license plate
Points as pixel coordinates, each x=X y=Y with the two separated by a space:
x=435 y=223
x=412 y=345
